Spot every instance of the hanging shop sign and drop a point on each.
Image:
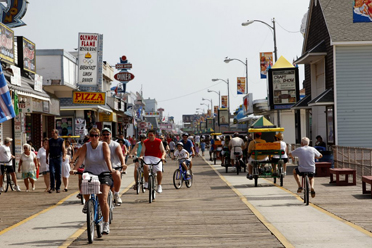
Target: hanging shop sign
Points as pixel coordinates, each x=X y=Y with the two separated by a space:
x=90 y=59
x=248 y=104
x=82 y=97
x=151 y=114
x=16 y=79
x=13 y=12
x=38 y=83
x=64 y=126
x=283 y=88
x=108 y=117
x=223 y=117
x=26 y=54
x=123 y=76
x=6 y=44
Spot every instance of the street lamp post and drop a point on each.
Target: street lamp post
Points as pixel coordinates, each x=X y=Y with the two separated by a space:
x=211 y=104
x=227 y=60
x=275 y=48
x=219 y=97
x=228 y=96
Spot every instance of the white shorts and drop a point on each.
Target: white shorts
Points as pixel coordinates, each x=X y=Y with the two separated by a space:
x=251 y=159
x=233 y=156
x=154 y=160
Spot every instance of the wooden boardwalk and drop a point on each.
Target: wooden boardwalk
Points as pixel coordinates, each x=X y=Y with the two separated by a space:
x=209 y=214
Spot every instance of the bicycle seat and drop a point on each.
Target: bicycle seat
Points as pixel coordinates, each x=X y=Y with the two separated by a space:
x=236 y=153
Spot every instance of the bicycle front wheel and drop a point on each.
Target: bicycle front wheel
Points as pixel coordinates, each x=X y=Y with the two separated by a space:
x=150 y=187
x=138 y=183
x=177 y=179
x=90 y=221
x=189 y=180
x=100 y=222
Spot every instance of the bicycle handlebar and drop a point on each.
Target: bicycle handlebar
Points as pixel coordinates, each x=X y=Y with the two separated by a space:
x=4 y=162
x=142 y=160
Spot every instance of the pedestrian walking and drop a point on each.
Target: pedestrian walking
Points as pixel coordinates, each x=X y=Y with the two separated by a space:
x=28 y=163
x=43 y=166
x=66 y=172
x=6 y=155
x=57 y=153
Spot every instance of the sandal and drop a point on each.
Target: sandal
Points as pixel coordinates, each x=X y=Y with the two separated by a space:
x=299 y=190
x=135 y=187
x=312 y=193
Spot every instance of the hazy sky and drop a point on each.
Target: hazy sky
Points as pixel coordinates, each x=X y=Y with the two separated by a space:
x=176 y=46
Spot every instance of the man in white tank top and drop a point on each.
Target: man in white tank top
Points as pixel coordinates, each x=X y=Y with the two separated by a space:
x=117 y=161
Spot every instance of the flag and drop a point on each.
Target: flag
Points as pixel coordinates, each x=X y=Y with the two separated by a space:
x=116 y=90
x=16 y=108
x=6 y=107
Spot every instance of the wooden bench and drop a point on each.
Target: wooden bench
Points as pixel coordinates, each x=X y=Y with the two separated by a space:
x=367 y=179
x=322 y=169
x=342 y=171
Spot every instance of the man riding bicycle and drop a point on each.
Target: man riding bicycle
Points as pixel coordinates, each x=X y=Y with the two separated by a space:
x=153 y=151
x=236 y=145
x=306 y=157
x=136 y=151
x=5 y=155
x=117 y=162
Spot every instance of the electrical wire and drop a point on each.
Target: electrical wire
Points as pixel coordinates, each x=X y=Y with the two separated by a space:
x=189 y=93
x=286 y=29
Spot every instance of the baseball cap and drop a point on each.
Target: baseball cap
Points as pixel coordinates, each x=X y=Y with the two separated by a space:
x=106 y=129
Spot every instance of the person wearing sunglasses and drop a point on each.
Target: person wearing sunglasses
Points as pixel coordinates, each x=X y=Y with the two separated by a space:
x=117 y=162
x=96 y=157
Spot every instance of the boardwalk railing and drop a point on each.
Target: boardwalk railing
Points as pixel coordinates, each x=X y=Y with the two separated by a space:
x=357 y=158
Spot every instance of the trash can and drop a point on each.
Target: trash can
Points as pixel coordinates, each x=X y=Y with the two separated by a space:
x=327 y=157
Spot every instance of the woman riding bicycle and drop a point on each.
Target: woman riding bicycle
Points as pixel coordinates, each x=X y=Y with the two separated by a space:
x=136 y=151
x=96 y=157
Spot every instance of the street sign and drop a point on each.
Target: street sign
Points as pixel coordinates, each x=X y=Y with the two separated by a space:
x=123 y=66
x=124 y=76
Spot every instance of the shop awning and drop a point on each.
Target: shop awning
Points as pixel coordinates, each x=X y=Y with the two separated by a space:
x=313 y=55
x=87 y=107
x=26 y=90
x=303 y=103
x=324 y=99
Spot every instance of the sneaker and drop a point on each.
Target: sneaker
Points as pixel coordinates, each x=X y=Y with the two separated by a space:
x=33 y=188
x=85 y=208
x=1 y=189
x=18 y=188
x=78 y=196
x=312 y=193
x=188 y=173
x=160 y=189
x=299 y=190
x=250 y=177
x=146 y=185
x=106 y=228
x=117 y=199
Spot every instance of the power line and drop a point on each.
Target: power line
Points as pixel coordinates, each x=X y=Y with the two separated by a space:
x=286 y=29
x=188 y=94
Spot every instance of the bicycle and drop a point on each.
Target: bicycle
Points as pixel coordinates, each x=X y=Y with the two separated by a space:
x=180 y=175
x=94 y=211
x=239 y=162
x=152 y=180
x=139 y=180
x=7 y=180
x=306 y=186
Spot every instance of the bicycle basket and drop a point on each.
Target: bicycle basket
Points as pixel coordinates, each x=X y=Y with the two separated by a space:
x=90 y=184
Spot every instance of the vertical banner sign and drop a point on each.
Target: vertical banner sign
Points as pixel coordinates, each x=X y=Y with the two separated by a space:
x=241 y=85
x=362 y=11
x=209 y=113
x=223 y=101
x=215 y=110
x=7 y=44
x=29 y=58
x=88 y=59
x=266 y=60
x=123 y=76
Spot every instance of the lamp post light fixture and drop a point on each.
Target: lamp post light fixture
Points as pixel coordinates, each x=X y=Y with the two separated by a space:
x=275 y=49
x=228 y=95
x=205 y=105
x=219 y=97
x=211 y=105
x=228 y=60
x=249 y=22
